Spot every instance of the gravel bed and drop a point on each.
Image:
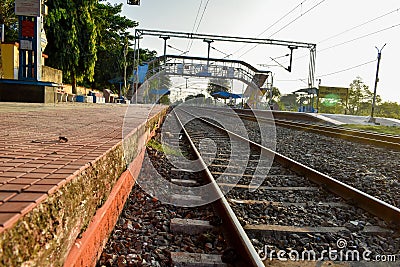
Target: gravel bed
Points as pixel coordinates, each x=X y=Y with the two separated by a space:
x=142 y=236
x=371 y=169
x=317 y=242
x=327 y=154
x=312 y=215
x=283 y=196
x=281 y=180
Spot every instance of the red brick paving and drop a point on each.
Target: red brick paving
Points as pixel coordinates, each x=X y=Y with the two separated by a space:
x=8 y=219
x=21 y=207
x=30 y=197
x=33 y=163
x=4 y=196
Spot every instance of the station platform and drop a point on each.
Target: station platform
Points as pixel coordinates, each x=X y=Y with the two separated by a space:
x=58 y=166
x=340 y=119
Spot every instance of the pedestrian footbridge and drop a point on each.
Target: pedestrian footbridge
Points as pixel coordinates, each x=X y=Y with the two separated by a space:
x=212 y=68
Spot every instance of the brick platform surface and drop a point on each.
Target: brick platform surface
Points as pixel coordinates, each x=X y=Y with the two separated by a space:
x=42 y=147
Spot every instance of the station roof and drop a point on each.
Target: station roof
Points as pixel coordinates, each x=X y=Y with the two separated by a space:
x=226 y=95
x=309 y=91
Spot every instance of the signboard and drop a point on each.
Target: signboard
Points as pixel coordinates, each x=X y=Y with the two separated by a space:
x=28 y=28
x=25 y=45
x=29 y=8
x=327 y=92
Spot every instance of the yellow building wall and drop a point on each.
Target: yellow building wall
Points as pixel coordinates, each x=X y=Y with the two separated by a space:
x=10 y=54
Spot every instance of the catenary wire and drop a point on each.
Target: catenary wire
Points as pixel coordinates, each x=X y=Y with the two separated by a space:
x=288 y=24
x=198 y=25
x=194 y=24
x=276 y=22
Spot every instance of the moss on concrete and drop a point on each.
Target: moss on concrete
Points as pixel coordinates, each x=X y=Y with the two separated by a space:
x=44 y=236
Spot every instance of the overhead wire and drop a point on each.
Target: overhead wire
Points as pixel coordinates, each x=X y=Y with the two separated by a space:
x=276 y=22
x=352 y=28
x=298 y=17
x=333 y=73
x=360 y=25
x=194 y=24
x=347 y=69
x=287 y=25
x=198 y=25
x=361 y=37
x=202 y=15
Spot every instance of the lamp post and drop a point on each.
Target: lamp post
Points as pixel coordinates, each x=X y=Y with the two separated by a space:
x=372 y=119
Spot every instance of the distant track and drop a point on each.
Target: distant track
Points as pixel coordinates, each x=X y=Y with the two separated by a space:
x=294 y=121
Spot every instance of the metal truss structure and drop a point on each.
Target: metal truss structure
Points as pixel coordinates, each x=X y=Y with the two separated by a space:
x=216 y=68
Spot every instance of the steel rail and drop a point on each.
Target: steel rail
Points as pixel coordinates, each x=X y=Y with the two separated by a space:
x=377 y=207
x=244 y=246
x=365 y=137
x=355 y=132
x=340 y=132
x=370 y=138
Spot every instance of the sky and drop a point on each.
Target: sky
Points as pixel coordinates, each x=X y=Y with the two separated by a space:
x=346 y=32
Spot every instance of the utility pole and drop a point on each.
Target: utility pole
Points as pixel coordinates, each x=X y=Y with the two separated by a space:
x=372 y=119
x=165 y=47
x=208 y=41
x=125 y=62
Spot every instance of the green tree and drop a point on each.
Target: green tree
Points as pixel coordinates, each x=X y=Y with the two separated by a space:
x=9 y=19
x=388 y=110
x=360 y=98
x=218 y=85
x=275 y=96
x=289 y=102
x=165 y=100
x=71 y=33
x=113 y=44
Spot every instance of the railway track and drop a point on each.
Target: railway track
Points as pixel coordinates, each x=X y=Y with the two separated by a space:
x=314 y=126
x=270 y=209
x=290 y=201
x=366 y=137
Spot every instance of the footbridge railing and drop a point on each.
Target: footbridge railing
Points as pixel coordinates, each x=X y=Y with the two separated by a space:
x=207 y=67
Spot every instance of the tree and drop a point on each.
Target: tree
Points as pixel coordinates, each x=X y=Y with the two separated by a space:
x=289 y=102
x=388 y=110
x=218 y=85
x=113 y=51
x=71 y=34
x=9 y=19
x=165 y=100
x=360 y=98
x=276 y=95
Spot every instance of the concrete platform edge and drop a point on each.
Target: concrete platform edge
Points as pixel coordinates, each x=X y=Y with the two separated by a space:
x=45 y=235
x=87 y=250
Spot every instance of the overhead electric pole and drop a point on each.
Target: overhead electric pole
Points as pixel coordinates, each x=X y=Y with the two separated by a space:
x=372 y=119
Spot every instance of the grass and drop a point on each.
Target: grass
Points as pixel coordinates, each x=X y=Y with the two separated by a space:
x=375 y=128
x=163 y=148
